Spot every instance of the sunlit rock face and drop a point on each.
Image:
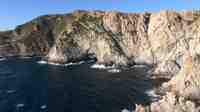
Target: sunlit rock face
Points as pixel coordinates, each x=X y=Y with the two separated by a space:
x=159 y=39
x=182 y=91
x=112 y=37
x=130 y=32
x=173 y=103
x=170 y=103
x=6 y=48
x=168 y=40
x=172 y=35
x=187 y=82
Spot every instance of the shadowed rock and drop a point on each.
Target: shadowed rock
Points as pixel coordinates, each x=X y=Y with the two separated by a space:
x=159 y=38
x=162 y=39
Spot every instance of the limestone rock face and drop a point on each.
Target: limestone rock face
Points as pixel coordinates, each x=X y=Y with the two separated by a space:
x=170 y=103
x=187 y=82
x=160 y=38
x=171 y=35
x=183 y=90
x=7 y=48
x=168 y=40
x=173 y=103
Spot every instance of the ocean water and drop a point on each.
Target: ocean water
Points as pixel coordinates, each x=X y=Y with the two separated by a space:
x=31 y=85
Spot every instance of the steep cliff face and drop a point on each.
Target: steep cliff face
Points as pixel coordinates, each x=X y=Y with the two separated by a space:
x=187 y=82
x=7 y=48
x=113 y=38
x=182 y=91
x=161 y=38
x=172 y=36
x=32 y=38
x=168 y=40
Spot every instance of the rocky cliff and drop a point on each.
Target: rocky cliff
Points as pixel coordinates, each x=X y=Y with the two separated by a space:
x=181 y=92
x=160 y=38
x=112 y=37
x=168 y=40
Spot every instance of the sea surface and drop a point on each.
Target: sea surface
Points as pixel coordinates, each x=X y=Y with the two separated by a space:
x=29 y=85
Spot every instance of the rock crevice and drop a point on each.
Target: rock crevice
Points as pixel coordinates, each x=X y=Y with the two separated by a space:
x=168 y=40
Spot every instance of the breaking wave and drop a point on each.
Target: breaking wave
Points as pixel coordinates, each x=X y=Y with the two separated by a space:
x=78 y=63
x=102 y=66
x=125 y=110
x=111 y=69
x=42 y=62
x=152 y=93
x=140 y=66
x=25 y=57
x=58 y=64
x=114 y=70
x=2 y=59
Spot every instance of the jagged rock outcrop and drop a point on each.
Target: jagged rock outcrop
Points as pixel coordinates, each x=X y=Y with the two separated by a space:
x=182 y=91
x=159 y=38
x=32 y=38
x=6 y=46
x=172 y=35
x=187 y=82
x=162 y=39
x=170 y=103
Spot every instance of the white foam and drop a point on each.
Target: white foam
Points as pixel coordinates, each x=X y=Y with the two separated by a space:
x=114 y=70
x=58 y=64
x=101 y=66
x=69 y=64
x=42 y=62
x=25 y=57
x=152 y=93
x=90 y=61
x=50 y=63
x=20 y=105
x=140 y=66
x=11 y=91
x=78 y=63
x=125 y=110
x=2 y=59
x=43 y=107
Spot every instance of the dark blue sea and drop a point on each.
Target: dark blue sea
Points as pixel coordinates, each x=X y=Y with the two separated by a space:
x=29 y=86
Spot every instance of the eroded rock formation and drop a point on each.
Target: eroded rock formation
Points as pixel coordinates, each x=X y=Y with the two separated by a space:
x=159 y=38
x=182 y=91
x=162 y=39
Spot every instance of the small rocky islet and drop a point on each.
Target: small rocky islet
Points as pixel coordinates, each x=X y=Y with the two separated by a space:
x=169 y=41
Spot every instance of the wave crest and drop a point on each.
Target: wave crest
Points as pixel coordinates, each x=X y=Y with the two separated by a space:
x=2 y=59
x=58 y=64
x=102 y=66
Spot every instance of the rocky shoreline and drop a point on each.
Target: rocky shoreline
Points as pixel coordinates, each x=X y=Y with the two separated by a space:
x=167 y=40
x=181 y=93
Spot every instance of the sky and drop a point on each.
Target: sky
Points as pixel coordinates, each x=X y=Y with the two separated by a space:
x=16 y=12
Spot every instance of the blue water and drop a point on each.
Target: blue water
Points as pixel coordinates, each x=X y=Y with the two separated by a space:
x=26 y=86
